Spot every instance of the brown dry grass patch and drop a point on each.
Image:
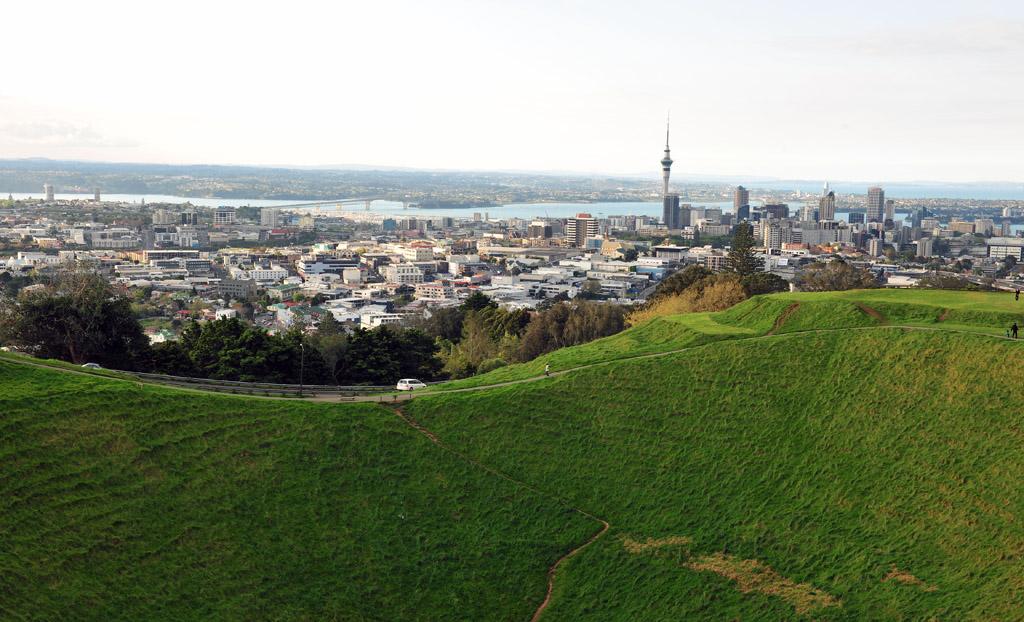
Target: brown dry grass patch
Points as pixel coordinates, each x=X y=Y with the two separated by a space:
x=909 y=579
x=751 y=575
x=639 y=547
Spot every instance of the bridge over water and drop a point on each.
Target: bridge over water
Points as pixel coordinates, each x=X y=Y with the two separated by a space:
x=339 y=203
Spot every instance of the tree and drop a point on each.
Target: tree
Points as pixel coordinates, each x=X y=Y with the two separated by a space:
x=630 y=254
x=328 y=325
x=837 y=275
x=742 y=259
x=945 y=281
x=681 y=281
x=76 y=317
x=477 y=302
x=763 y=283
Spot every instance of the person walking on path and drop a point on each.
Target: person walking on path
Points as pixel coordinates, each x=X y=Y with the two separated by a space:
x=547 y=368
x=1013 y=330
x=1016 y=295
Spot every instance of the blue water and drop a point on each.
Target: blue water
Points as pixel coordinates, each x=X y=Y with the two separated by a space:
x=392 y=209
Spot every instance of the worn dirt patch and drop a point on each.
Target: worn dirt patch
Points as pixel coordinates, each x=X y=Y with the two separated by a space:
x=908 y=579
x=639 y=547
x=751 y=575
x=779 y=321
x=871 y=312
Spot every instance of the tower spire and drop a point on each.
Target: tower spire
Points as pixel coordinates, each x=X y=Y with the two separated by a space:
x=666 y=160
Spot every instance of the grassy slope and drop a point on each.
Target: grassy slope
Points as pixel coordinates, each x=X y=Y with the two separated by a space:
x=831 y=457
x=126 y=502
x=984 y=312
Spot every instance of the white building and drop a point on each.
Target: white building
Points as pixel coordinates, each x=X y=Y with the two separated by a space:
x=404 y=274
x=270 y=217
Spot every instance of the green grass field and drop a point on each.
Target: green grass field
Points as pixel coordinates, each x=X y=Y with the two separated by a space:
x=122 y=501
x=984 y=312
x=833 y=459
x=802 y=458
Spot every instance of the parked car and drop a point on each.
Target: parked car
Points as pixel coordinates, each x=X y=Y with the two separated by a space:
x=92 y=366
x=410 y=384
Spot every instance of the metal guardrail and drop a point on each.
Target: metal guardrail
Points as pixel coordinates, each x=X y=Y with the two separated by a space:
x=268 y=385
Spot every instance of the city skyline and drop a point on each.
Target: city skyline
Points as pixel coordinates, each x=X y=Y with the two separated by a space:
x=793 y=91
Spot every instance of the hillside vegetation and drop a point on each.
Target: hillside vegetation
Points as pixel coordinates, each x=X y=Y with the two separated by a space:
x=120 y=501
x=984 y=312
x=852 y=475
x=798 y=456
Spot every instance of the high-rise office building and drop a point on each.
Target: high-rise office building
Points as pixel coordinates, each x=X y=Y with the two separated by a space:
x=96 y=194
x=538 y=229
x=670 y=211
x=578 y=229
x=808 y=213
x=743 y=213
x=827 y=204
x=740 y=198
x=164 y=217
x=48 y=191
x=666 y=163
x=856 y=218
x=890 y=210
x=190 y=217
x=270 y=217
x=875 y=204
x=777 y=210
x=875 y=247
x=224 y=215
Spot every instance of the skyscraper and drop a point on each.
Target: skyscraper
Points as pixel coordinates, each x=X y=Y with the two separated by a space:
x=670 y=211
x=666 y=163
x=890 y=210
x=48 y=191
x=827 y=204
x=876 y=204
x=740 y=198
x=96 y=194
x=578 y=229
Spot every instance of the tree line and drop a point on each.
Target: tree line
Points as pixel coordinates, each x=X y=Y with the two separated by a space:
x=77 y=316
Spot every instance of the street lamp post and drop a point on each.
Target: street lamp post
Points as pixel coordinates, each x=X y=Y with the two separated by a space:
x=302 y=365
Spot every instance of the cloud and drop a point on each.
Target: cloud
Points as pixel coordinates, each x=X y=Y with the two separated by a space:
x=971 y=38
x=61 y=134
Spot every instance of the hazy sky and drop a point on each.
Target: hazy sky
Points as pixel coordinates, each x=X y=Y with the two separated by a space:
x=866 y=90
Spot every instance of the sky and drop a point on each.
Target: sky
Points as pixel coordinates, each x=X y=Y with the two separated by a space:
x=875 y=91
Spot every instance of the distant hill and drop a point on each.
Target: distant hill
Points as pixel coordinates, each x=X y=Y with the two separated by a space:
x=839 y=456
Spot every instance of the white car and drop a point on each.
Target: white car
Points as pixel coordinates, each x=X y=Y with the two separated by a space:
x=92 y=366
x=410 y=384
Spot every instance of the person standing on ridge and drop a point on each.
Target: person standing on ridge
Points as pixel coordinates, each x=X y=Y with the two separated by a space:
x=1013 y=330
x=547 y=368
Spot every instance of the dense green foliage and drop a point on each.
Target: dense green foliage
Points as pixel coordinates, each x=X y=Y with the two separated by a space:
x=478 y=330
x=227 y=349
x=74 y=316
x=122 y=502
x=742 y=258
x=835 y=276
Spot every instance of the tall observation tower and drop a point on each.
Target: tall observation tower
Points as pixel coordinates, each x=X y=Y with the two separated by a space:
x=666 y=162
